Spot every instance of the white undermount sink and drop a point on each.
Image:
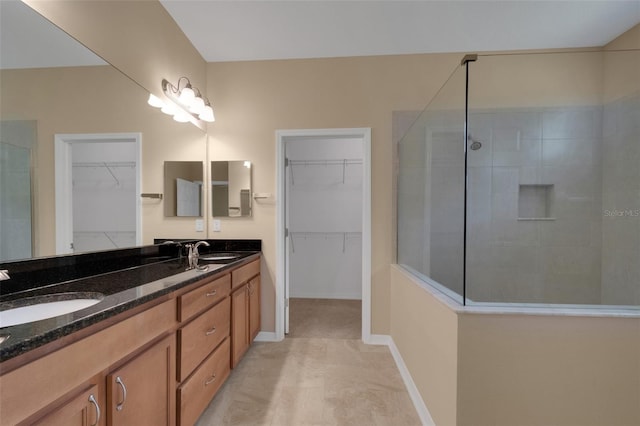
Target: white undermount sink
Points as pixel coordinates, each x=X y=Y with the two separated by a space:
x=219 y=256
x=39 y=308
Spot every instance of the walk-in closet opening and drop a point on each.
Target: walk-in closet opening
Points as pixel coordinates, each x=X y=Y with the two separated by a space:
x=325 y=219
x=97 y=187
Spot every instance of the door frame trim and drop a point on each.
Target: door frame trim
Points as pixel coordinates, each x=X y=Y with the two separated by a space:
x=63 y=181
x=281 y=137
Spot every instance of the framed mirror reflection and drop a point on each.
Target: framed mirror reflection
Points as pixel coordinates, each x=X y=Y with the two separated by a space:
x=183 y=188
x=230 y=188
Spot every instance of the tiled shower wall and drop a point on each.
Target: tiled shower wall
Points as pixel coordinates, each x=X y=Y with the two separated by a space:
x=621 y=202
x=546 y=156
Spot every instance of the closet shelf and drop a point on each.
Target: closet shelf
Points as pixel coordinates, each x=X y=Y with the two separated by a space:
x=105 y=234
x=108 y=166
x=323 y=235
x=344 y=162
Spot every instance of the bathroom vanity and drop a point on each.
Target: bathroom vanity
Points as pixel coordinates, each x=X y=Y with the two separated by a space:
x=154 y=350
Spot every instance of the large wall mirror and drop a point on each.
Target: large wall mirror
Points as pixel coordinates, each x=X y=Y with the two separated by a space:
x=230 y=188
x=51 y=85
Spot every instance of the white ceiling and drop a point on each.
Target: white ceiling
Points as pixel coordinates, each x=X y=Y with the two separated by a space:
x=241 y=30
x=254 y=30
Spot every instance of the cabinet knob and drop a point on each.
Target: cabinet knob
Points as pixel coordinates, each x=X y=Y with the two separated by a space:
x=92 y=400
x=120 y=405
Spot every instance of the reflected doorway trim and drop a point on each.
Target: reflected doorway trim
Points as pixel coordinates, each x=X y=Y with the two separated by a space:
x=63 y=182
x=281 y=136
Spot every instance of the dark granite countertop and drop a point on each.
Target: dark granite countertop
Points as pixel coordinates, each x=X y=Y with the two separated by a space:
x=121 y=289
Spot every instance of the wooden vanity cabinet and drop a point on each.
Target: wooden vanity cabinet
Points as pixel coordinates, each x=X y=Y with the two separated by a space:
x=160 y=364
x=245 y=309
x=55 y=388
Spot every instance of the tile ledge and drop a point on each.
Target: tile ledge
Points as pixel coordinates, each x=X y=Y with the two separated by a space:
x=441 y=293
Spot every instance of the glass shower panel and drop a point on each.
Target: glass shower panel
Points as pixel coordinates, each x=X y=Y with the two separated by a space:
x=15 y=202
x=431 y=185
x=554 y=156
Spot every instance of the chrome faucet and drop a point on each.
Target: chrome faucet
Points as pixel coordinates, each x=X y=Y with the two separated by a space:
x=194 y=255
x=4 y=275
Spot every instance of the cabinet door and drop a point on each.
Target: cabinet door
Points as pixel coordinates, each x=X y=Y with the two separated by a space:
x=81 y=409
x=239 y=324
x=254 y=307
x=142 y=392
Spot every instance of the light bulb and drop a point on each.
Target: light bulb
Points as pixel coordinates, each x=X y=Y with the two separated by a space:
x=197 y=105
x=181 y=117
x=169 y=108
x=155 y=101
x=207 y=114
x=247 y=164
x=187 y=95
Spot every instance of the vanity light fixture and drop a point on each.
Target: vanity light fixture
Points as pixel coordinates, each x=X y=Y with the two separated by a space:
x=185 y=102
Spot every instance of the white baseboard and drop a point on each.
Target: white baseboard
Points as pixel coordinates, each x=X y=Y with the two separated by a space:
x=414 y=394
x=377 y=339
x=266 y=336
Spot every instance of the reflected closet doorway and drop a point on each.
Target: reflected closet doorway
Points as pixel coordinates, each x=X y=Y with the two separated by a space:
x=324 y=224
x=98 y=182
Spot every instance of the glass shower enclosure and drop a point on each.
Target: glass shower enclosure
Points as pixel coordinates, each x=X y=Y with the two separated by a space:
x=520 y=181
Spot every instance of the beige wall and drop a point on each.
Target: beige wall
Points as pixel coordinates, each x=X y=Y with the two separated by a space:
x=621 y=69
x=254 y=99
x=97 y=100
x=548 y=370
x=425 y=331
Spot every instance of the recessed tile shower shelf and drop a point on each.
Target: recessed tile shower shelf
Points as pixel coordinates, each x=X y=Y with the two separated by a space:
x=535 y=202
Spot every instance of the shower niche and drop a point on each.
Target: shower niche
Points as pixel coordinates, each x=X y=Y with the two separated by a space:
x=535 y=202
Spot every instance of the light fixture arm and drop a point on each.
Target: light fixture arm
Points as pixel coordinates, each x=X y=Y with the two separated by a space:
x=192 y=104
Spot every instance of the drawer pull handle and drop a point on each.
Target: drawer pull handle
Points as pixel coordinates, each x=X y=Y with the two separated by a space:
x=210 y=380
x=213 y=293
x=120 y=405
x=210 y=332
x=92 y=400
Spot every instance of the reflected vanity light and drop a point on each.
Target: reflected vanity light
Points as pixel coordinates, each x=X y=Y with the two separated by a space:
x=247 y=164
x=185 y=102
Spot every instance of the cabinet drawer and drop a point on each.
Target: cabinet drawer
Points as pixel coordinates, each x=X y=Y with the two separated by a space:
x=244 y=273
x=195 y=394
x=198 y=338
x=207 y=295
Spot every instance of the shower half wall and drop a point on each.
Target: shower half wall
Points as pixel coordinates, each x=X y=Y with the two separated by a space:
x=515 y=299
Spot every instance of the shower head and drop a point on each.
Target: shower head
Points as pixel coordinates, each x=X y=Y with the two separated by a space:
x=475 y=145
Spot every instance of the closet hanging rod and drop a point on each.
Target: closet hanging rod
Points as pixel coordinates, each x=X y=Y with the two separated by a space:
x=104 y=232
x=344 y=163
x=334 y=162
x=326 y=232
x=105 y=164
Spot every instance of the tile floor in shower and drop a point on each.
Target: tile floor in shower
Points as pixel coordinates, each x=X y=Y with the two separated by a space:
x=321 y=374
